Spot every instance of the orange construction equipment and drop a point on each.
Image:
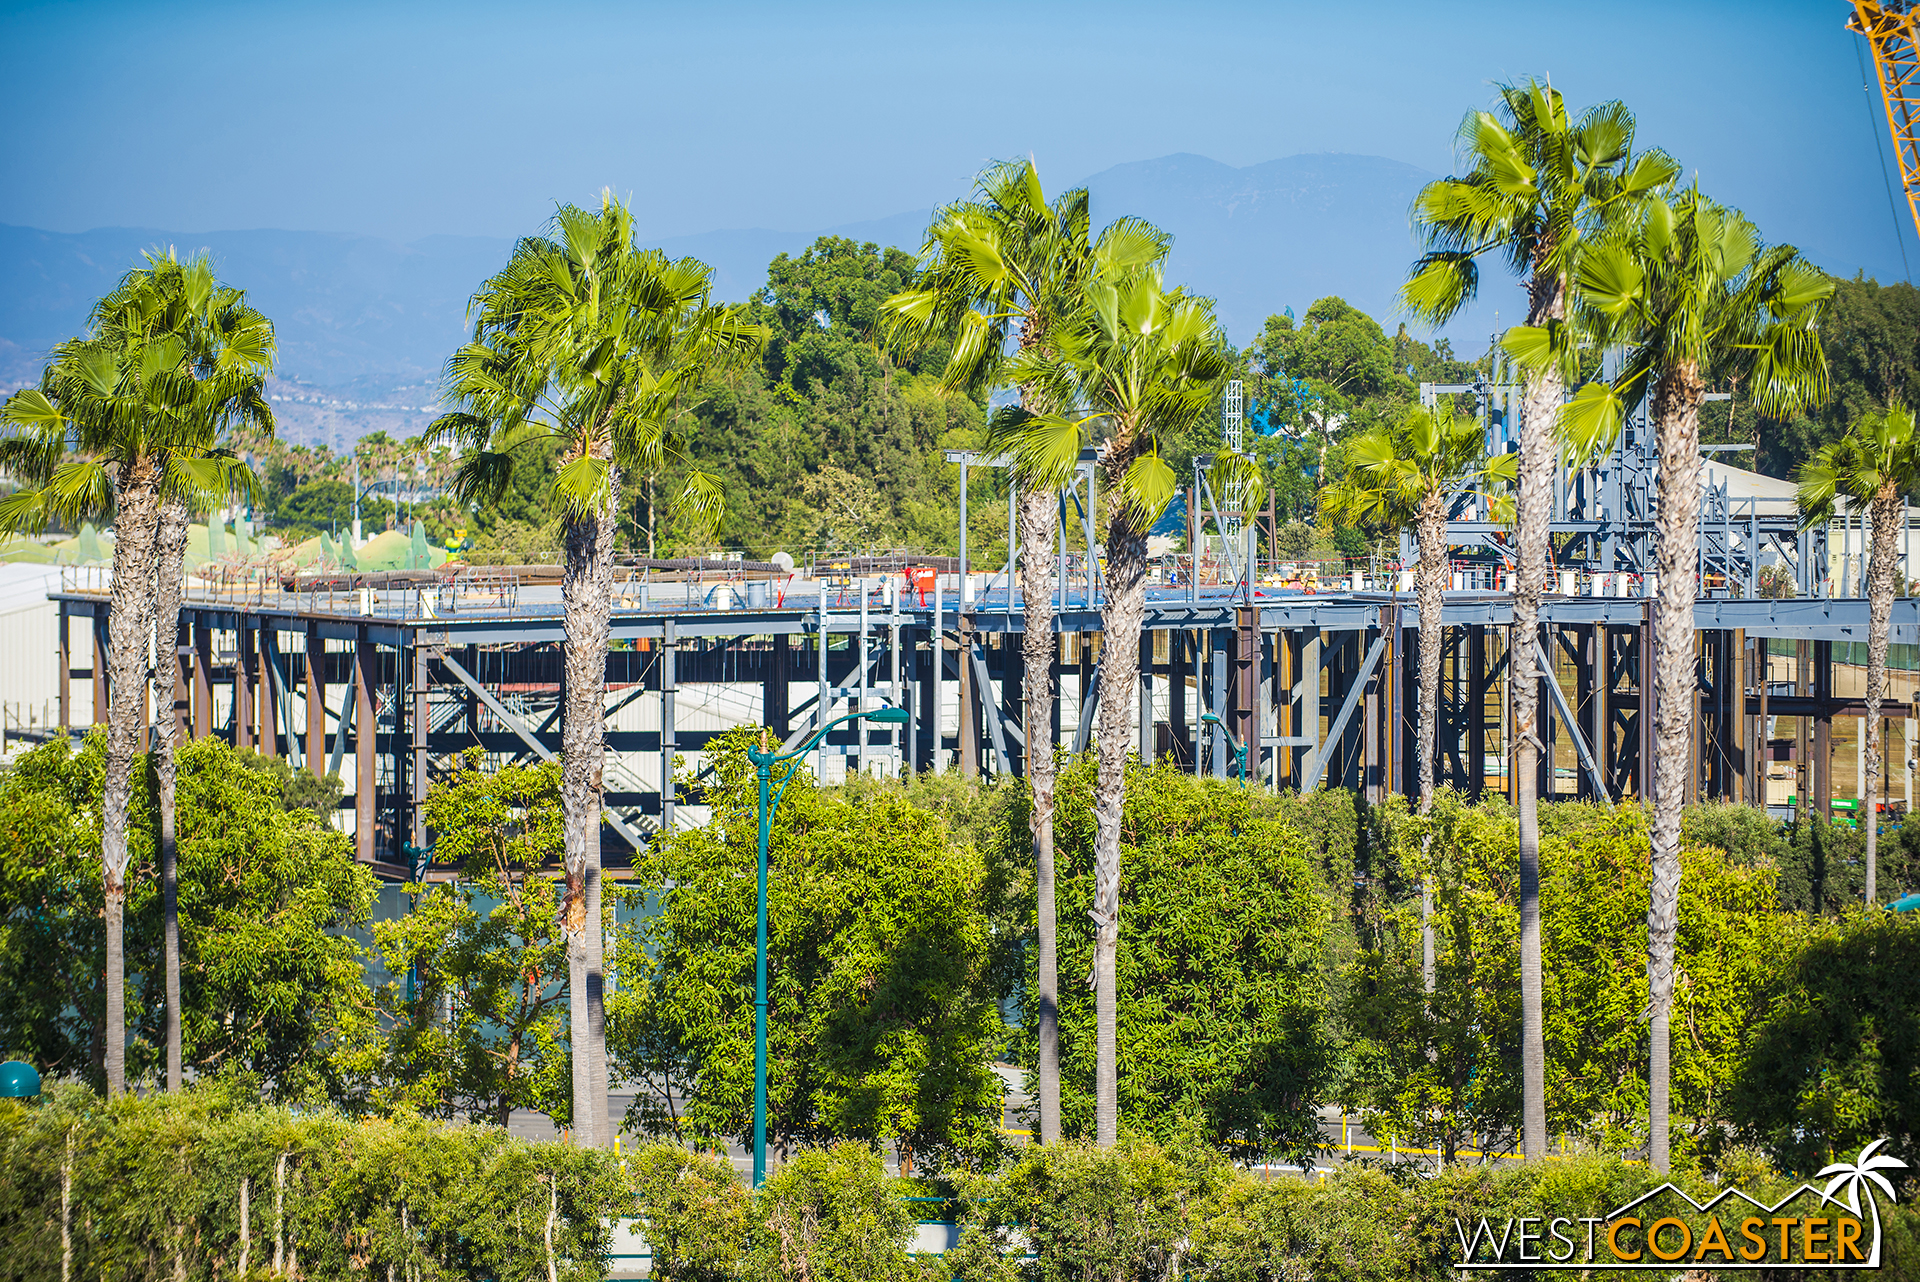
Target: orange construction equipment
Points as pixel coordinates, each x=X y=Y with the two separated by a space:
x=1889 y=30
x=921 y=578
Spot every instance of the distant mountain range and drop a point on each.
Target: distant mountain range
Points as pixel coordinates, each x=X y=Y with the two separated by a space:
x=365 y=323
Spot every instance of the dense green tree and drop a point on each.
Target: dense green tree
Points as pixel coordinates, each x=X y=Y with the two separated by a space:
x=1219 y=969
x=882 y=1019
x=472 y=1019
x=1443 y=1071
x=327 y=505
x=267 y=972
x=1345 y=357
x=828 y=395
x=888 y=429
x=828 y=304
x=1834 y=1061
x=1821 y=864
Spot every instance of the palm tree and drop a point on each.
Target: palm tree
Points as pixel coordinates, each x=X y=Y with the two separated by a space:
x=227 y=350
x=1003 y=270
x=1139 y=364
x=1409 y=474
x=1687 y=286
x=141 y=402
x=1537 y=181
x=1873 y=465
x=111 y=404
x=585 y=339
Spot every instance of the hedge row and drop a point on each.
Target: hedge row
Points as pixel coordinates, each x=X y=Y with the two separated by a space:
x=210 y=1185
x=205 y=1185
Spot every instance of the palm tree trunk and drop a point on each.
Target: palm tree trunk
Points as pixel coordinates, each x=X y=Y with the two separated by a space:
x=1882 y=582
x=169 y=579
x=1119 y=709
x=1431 y=585
x=587 y=596
x=1036 y=516
x=1533 y=560
x=129 y=625
x=1677 y=419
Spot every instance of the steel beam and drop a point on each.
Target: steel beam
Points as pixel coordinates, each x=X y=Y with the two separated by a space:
x=1317 y=764
x=541 y=750
x=1572 y=723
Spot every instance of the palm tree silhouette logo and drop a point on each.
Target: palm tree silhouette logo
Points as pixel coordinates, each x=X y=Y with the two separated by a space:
x=1855 y=1176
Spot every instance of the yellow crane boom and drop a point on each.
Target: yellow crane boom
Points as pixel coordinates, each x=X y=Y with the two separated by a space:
x=1890 y=33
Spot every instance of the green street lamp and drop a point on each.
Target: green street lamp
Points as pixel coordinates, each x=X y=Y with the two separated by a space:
x=764 y=760
x=1239 y=749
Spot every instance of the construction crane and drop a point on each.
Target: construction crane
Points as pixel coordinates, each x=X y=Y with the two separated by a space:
x=1889 y=30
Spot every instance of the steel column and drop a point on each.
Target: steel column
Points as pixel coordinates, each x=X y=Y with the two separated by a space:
x=1245 y=686
x=669 y=681
x=265 y=700
x=316 y=722
x=1146 y=698
x=243 y=685
x=967 y=733
x=100 y=693
x=203 y=723
x=65 y=647
x=365 y=741
x=421 y=718
x=1823 y=731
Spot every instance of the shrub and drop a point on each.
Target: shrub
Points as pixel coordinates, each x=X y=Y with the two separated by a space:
x=698 y=1216
x=207 y=1184
x=1120 y=1213
x=881 y=1020
x=1834 y=1064
x=832 y=1215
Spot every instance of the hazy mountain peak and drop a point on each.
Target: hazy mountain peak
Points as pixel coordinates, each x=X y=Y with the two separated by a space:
x=364 y=313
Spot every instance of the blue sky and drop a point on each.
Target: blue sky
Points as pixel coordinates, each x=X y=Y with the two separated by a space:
x=405 y=119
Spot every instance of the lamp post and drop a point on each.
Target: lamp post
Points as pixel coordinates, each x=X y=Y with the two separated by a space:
x=19 y=1080
x=1239 y=749
x=764 y=759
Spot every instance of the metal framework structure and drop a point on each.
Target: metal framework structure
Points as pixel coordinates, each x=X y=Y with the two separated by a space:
x=401 y=674
x=1603 y=520
x=1319 y=687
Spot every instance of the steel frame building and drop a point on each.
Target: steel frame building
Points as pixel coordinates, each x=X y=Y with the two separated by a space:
x=387 y=683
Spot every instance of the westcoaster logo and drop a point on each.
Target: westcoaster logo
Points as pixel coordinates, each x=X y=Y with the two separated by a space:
x=1808 y=1227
